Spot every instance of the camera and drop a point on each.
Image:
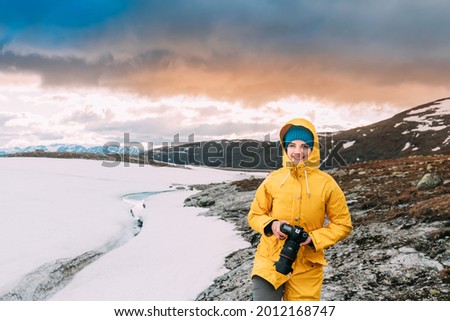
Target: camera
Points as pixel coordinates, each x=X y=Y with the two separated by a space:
x=295 y=236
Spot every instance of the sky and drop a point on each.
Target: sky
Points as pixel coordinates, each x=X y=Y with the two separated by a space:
x=86 y=72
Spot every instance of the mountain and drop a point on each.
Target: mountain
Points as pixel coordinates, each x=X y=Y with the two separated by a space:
x=248 y=154
x=72 y=149
x=422 y=130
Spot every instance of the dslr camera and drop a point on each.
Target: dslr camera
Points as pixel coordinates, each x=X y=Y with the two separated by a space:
x=295 y=236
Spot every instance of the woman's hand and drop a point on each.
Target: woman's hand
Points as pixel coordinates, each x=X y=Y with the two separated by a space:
x=308 y=240
x=281 y=236
x=276 y=230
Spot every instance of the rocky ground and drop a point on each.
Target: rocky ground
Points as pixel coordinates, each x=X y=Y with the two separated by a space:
x=399 y=248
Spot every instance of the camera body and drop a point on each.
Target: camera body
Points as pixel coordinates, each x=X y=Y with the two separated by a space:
x=295 y=236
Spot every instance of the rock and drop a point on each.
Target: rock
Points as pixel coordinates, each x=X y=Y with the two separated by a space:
x=429 y=181
x=205 y=202
x=399 y=174
x=235 y=284
x=340 y=173
x=398 y=250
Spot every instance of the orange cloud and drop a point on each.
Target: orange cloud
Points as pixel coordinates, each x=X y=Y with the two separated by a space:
x=257 y=80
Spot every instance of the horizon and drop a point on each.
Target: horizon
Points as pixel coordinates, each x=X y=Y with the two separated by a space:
x=73 y=73
x=177 y=140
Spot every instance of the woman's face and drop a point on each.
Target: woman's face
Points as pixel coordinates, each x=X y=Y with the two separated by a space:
x=298 y=151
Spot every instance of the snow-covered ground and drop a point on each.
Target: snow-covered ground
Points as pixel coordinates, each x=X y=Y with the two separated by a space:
x=54 y=211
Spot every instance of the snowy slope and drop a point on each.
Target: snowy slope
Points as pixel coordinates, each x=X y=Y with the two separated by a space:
x=422 y=130
x=54 y=210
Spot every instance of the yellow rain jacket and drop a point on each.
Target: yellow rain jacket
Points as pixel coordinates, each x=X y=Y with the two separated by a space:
x=302 y=195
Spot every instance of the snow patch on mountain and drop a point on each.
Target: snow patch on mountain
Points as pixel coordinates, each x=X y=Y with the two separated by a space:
x=407 y=145
x=430 y=117
x=349 y=144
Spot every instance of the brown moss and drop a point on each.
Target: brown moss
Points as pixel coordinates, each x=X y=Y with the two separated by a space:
x=246 y=185
x=436 y=208
x=445 y=275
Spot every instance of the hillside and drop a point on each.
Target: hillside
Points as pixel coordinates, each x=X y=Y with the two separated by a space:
x=422 y=130
x=399 y=248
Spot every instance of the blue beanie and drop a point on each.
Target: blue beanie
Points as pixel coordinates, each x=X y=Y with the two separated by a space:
x=300 y=133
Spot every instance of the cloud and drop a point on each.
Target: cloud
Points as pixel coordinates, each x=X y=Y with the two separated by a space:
x=4 y=117
x=248 y=51
x=88 y=115
x=54 y=71
x=23 y=128
x=234 y=129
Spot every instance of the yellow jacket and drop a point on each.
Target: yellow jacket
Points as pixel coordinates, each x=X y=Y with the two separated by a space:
x=303 y=195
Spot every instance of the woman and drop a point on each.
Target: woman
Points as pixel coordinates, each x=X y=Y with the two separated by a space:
x=301 y=195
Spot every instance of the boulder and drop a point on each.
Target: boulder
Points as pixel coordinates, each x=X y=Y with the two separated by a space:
x=429 y=181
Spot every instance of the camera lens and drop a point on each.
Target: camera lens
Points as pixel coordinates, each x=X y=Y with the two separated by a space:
x=296 y=236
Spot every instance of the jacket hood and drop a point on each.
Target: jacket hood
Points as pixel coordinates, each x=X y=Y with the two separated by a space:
x=314 y=157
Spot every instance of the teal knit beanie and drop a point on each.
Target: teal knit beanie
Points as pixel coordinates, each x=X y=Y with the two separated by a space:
x=300 y=133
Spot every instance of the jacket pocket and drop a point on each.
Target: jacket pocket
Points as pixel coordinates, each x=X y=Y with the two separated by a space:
x=270 y=247
x=312 y=257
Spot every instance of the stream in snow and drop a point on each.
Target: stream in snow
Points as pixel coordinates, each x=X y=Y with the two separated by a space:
x=71 y=230
x=49 y=278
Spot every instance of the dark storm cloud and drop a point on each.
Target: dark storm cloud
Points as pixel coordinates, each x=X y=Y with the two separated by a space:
x=279 y=26
x=251 y=50
x=400 y=27
x=54 y=70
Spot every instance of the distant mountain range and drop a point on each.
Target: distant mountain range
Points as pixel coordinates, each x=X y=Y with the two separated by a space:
x=422 y=130
x=56 y=148
x=64 y=148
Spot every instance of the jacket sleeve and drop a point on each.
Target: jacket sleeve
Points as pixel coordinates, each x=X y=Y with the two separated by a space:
x=258 y=216
x=340 y=224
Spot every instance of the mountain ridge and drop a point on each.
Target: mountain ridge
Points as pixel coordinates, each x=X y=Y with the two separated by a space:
x=422 y=130
x=416 y=131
